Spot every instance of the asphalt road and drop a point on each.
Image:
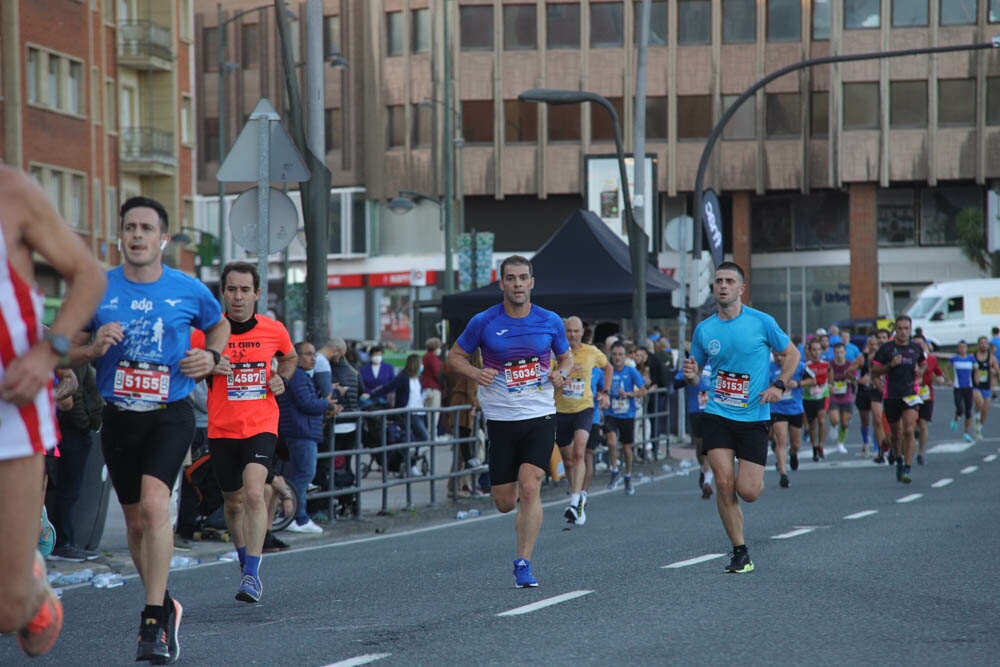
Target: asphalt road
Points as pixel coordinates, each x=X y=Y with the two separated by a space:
x=852 y=567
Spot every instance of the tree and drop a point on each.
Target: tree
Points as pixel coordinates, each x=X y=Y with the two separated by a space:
x=971 y=233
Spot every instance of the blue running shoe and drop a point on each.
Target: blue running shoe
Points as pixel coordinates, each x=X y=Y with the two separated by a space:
x=616 y=479
x=251 y=589
x=968 y=438
x=47 y=538
x=522 y=574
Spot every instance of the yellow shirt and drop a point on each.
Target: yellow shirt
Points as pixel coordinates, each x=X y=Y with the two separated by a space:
x=576 y=395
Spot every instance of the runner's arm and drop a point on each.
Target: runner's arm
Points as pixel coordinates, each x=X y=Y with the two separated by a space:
x=287 y=365
x=460 y=361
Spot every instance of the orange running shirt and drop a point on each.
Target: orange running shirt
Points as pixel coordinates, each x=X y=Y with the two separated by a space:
x=241 y=405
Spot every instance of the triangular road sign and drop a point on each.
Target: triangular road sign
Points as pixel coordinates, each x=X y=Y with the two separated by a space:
x=241 y=163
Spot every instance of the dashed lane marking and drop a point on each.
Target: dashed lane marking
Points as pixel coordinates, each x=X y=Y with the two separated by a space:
x=541 y=604
x=941 y=483
x=692 y=561
x=910 y=498
x=366 y=659
x=793 y=533
x=860 y=515
x=969 y=470
x=990 y=459
x=950 y=447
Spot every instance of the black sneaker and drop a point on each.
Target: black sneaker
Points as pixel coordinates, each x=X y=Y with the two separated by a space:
x=701 y=479
x=784 y=481
x=899 y=470
x=152 y=641
x=69 y=553
x=740 y=563
x=920 y=459
x=793 y=460
x=815 y=455
x=173 y=626
x=272 y=544
x=571 y=514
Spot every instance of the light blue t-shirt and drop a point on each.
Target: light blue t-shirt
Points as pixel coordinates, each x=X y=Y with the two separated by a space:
x=520 y=349
x=596 y=384
x=740 y=353
x=697 y=395
x=963 y=367
x=791 y=399
x=627 y=380
x=157 y=318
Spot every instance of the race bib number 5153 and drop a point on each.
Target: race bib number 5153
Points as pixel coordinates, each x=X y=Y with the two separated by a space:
x=732 y=389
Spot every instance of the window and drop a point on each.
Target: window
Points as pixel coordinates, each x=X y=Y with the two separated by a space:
x=54 y=90
x=187 y=115
x=395 y=135
x=771 y=224
x=656 y=117
x=861 y=110
x=562 y=26
x=476 y=28
x=784 y=20
x=521 y=121
x=783 y=117
x=250 y=49
x=819 y=114
x=420 y=38
x=821 y=221
x=33 y=65
x=821 y=19
x=347 y=222
x=601 y=126
x=333 y=129
x=358 y=209
x=694 y=116
x=939 y=210
x=994 y=16
x=956 y=102
x=520 y=29
x=477 y=121
x=694 y=22
x=909 y=13
x=862 y=14
x=896 y=217
x=743 y=124
x=110 y=106
x=657 y=22
x=394 y=33
x=564 y=122
x=959 y=12
x=331 y=35
x=993 y=100
x=210 y=49
x=210 y=127
x=422 y=123
x=607 y=25
x=739 y=21
x=907 y=104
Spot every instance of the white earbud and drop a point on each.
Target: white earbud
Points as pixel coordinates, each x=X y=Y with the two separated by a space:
x=119 y=245
x=163 y=244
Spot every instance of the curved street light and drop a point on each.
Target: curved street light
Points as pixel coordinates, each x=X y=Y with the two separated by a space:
x=403 y=203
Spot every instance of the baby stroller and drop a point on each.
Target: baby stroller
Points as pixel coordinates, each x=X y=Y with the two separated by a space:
x=395 y=433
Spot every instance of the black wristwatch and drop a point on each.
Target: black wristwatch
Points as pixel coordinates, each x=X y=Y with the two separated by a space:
x=778 y=384
x=216 y=355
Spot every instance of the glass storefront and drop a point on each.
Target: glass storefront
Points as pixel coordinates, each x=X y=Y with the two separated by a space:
x=803 y=299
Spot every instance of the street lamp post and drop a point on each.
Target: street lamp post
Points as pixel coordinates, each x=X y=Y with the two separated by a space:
x=456 y=144
x=403 y=204
x=638 y=240
x=208 y=245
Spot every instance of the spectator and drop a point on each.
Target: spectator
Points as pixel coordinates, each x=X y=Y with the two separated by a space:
x=406 y=388
x=432 y=379
x=463 y=391
x=322 y=376
x=189 y=501
x=376 y=373
x=346 y=390
x=659 y=377
x=301 y=427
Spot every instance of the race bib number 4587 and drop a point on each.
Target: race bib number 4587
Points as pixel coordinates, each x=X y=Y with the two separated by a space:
x=248 y=381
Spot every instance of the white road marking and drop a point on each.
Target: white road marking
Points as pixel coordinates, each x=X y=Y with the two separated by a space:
x=941 y=483
x=861 y=515
x=541 y=604
x=950 y=447
x=990 y=459
x=970 y=469
x=692 y=561
x=910 y=498
x=794 y=533
x=366 y=659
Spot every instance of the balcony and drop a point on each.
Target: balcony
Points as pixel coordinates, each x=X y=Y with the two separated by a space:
x=144 y=45
x=146 y=151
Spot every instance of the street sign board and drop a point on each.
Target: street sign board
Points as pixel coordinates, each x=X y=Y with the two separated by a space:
x=284 y=163
x=282 y=225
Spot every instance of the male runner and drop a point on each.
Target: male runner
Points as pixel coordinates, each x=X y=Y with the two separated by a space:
x=814 y=400
x=963 y=365
x=986 y=370
x=243 y=416
x=574 y=414
x=738 y=341
x=145 y=372
x=627 y=384
x=901 y=361
x=932 y=373
x=29 y=224
x=696 y=398
x=786 y=417
x=516 y=395
x=842 y=381
x=601 y=404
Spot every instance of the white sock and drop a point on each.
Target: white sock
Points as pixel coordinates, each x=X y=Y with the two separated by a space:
x=583 y=494
x=574 y=499
x=709 y=476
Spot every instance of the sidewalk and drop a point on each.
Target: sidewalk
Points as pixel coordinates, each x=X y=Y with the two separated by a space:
x=114 y=547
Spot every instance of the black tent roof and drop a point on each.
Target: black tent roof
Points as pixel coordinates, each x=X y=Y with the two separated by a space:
x=584 y=270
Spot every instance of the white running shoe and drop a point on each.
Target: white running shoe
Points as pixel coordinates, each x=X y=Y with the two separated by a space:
x=309 y=527
x=841 y=448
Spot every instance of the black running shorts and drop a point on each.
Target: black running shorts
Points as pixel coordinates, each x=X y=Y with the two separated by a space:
x=863 y=401
x=925 y=411
x=231 y=455
x=514 y=443
x=153 y=443
x=568 y=423
x=697 y=423
x=813 y=408
x=894 y=408
x=625 y=428
x=747 y=439
x=596 y=436
x=795 y=421
x=963 y=402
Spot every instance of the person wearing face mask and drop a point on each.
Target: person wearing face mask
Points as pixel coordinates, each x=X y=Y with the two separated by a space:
x=376 y=373
x=432 y=379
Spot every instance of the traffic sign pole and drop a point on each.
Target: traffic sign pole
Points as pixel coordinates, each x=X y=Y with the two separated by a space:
x=263 y=207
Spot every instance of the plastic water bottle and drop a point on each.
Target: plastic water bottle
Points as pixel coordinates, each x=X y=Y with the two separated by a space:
x=70 y=578
x=667 y=468
x=230 y=557
x=467 y=514
x=183 y=562
x=107 y=580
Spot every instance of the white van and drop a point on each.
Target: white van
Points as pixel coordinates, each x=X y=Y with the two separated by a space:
x=960 y=310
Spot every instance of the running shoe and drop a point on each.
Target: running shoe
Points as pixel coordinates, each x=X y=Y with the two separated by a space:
x=740 y=563
x=822 y=454
x=571 y=514
x=899 y=470
x=629 y=489
x=40 y=634
x=953 y=425
x=47 y=539
x=920 y=459
x=841 y=448
x=615 y=480
x=891 y=456
x=173 y=626
x=706 y=490
x=153 y=646
x=701 y=479
x=784 y=481
x=815 y=454
x=581 y=511
x=250 y=589
x=72 y=554
x=272 y=544
x=864 y=450
x=968 y=438
x=522 y=574
x=793 y=460
x=905 y=477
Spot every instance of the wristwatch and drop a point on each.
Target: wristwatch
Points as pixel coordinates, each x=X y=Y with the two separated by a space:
x=778 y=384
x=59 y=345
x=564 y=374
x=216 y=356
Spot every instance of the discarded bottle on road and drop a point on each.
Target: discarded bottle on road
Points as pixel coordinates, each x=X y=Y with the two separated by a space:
x=107 y=580
x=70 y=578
x=183 y=562
x=230 y=557
x=467 y=514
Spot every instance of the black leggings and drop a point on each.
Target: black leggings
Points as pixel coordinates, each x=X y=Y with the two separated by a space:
x=963 y=402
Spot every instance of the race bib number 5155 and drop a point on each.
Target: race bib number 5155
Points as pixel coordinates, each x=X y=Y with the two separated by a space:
x=142 y=381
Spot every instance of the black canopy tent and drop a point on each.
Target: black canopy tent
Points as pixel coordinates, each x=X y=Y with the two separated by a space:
x=584 y=270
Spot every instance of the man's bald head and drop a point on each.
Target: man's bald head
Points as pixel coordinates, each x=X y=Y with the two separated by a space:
x=574 y=330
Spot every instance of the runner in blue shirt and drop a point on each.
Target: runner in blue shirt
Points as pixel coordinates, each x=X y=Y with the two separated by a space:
x=627 y=385
x=516 y=396
x=786 y=417
x=738 y=341
x=697 y=398
x=963 y=365
x=601 y=403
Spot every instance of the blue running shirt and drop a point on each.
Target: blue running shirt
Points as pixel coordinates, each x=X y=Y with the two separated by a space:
x=791 y=399
x=143 y=371
x=520 y=350
x=963 y=367
x=627 y=380
x=697 y=395
x=740 y=353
